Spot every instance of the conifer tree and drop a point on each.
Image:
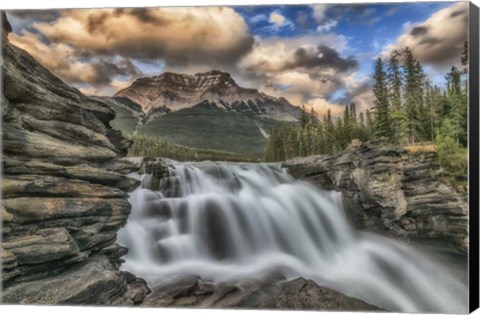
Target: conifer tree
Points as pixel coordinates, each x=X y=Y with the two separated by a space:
x=397 y=115
x=412 y=80
x=329 y=132
x=380 y=91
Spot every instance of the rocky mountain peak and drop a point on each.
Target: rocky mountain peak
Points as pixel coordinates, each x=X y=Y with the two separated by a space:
x=202 y=81
x=174 y=91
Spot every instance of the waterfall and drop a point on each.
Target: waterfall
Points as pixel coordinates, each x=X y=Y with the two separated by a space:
x=225 y=221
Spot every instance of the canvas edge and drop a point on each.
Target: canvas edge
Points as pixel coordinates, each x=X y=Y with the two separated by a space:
x=473 y=157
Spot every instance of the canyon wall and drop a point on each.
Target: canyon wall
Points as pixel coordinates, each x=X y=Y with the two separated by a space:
x=64 y=192
x=391 y=191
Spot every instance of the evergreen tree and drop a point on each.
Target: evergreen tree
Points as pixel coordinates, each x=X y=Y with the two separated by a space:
x=457 y=100
x=380 y=91
x=329 y=132
x=411 y=72
x=369 y=125
x=397 y=115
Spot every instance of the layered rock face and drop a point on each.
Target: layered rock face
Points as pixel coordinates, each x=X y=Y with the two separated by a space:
x=172 y=92
x=267 y=292
x=64 y=192
x=389 y=190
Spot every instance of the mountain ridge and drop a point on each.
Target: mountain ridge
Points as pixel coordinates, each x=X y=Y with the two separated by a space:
x=172 y=91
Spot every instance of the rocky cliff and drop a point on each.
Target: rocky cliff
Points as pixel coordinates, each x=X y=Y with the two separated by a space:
x=392 y=191
x=64 y=192
x=172 y=91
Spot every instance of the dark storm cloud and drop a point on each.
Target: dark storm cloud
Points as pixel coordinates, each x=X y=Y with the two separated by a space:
x=350 y=96
x=419 y=30
x=322 y=57
x=37 y=15
x=106 y=70
x=457 y=13
x=430 y=41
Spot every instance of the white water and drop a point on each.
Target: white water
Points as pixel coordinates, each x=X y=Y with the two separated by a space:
x=231 y=221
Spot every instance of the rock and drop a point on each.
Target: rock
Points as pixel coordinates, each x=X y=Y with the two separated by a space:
x=125 y=166
x=45 y=186
x=62 y=201
x=9 y=261
x=82 y=171
x=44 y=246
x=268 y=292
x=34 y=145
x=391 y=191
x=302 y=294
x=92 y=283
x=137 y=288
x=33 y=209
x=7 y=28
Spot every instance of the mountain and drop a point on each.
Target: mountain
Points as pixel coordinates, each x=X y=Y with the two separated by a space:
x=172 y=92
x=206 y=111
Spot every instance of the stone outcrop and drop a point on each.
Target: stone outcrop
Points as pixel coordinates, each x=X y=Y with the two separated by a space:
x=64 y=192
x=269 y=292
x=392 y=191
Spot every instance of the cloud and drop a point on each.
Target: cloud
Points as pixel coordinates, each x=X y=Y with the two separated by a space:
x=419 y=31
x=102 y=51
x=38 y=15
x=65 y=62
x=302 y=20
x=321 y=107
x=297 y=69
x=328 y=15
x=178 y=35
x=280 y=54
x=276 y=18
x=278 y=22
x=438 y=41
x=361 y=14
x=321 y=57
x=319 y=12
x=108 y=90
x=327 y=26
x=92 y=48
x=358 y=90
x=258 y=18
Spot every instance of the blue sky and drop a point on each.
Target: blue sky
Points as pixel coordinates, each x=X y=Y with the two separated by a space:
x=368 y=27
x=320 y=56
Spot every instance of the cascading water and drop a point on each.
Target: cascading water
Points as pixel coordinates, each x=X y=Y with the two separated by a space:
x=226 y=221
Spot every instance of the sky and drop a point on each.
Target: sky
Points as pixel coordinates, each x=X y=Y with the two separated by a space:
x=319 y=56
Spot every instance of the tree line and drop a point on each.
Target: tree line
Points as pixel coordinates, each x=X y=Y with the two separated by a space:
x=156 y=147
x=407 y=109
